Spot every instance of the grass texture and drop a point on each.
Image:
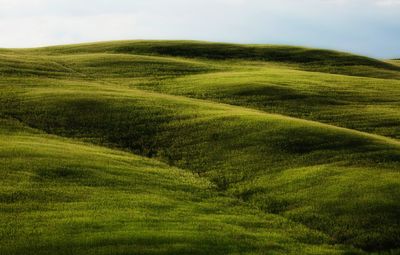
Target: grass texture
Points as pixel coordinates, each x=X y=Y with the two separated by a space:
x=254 y=149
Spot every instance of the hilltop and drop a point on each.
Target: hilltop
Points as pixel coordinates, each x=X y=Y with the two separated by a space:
x=304 y=58
x=194 y=147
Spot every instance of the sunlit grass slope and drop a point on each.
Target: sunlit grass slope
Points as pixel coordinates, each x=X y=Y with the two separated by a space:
x=310 y=59
x=273 y=84
x=211 y=114
x=395 y=62
x=63 y=197
x=365 y=104
x=322 y=176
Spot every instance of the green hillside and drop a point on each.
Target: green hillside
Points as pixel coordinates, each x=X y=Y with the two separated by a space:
x=298 y=57
x=61 y=196
x=395 y=62
x=255 y=149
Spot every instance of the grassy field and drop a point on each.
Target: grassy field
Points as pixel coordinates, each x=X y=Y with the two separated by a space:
x=61 y=196
x=395 y=62
x=254 y=149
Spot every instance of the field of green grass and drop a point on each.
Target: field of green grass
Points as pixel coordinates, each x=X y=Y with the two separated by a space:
x=179 y=147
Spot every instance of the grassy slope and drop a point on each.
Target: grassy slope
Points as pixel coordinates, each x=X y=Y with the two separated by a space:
x=359 y=103
x=242 y=151
x=64 y=197
x=395 y=62
x=304 y=58
x=319 y=175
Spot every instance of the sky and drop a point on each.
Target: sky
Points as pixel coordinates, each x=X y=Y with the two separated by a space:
x=368 y=27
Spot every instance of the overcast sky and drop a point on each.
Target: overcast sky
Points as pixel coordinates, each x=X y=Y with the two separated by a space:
x=370 y=27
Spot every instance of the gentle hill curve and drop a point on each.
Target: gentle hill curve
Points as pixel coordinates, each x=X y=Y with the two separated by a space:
x=221 y=51
x=339 y=181
x=64 y=197
x=241 y=151
x=365 y=104
x=307 y=58
x=395 y=62
x=361 y=103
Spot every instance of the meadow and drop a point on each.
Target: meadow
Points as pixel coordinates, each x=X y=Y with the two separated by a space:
x=179 y=147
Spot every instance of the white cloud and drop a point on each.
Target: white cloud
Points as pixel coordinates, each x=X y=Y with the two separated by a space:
x=389 y=3
x=344 y=24
x=44 y=30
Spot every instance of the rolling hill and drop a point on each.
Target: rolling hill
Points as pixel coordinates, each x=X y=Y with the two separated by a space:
x=61 y=196
x=253 y=149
